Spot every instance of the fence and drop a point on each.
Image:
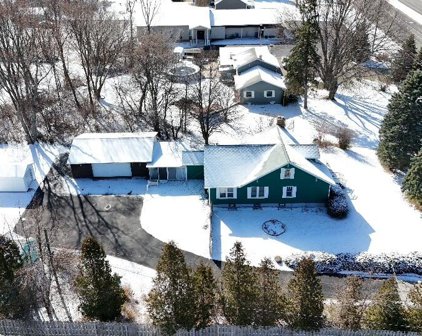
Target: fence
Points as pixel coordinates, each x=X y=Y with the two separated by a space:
x=21 y=328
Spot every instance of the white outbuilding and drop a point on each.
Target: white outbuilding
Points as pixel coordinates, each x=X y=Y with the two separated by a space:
x=16 y=177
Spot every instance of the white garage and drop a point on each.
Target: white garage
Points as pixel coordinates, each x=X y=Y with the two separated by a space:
x=15 y=177
x=106 y=155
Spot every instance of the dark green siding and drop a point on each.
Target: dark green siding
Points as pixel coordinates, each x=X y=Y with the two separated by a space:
x=195 y=172
x=309 y=189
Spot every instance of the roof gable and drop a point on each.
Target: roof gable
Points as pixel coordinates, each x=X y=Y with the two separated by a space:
x=258 y=74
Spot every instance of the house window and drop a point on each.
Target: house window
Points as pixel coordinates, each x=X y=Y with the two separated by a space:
x=289 y=192
x=249 y=94
x=258 y=192
x=269 y=93
x=226 y=193
x=287 y=173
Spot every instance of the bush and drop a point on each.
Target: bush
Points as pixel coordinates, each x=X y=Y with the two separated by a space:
x=345 y=137
x=384 y=263
x=337 y=206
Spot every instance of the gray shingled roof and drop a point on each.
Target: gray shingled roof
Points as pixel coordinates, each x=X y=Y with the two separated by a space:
x=193 y=158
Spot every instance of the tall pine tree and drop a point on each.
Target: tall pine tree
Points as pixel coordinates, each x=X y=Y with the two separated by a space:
x=418 y=61
x=305 y=308
x=99 y=291
x=351 y=304
x=205 y=296
x=240 y=290
x=303 y=57
x=171 y=301
x=414 y=312
x=412 y=184
x=386 y=312
x=401 y=130
x=11 y=306
x=271 y=302
x=404 y=60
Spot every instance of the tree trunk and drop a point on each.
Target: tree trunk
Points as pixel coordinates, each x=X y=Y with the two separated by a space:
x=305 y=97
x=332 y=90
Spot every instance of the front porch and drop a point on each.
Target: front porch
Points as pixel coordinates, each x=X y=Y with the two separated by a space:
x=199 y=36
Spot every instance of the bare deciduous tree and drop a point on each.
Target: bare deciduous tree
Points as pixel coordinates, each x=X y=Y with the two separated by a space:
x=213 y=104
x=99 y=38
x=21 y=67
x=150 y=9
x=342 y=26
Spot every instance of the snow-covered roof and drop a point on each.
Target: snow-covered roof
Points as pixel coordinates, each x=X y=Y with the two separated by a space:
x=258 y=74
x=193 y=158
x=246 y=2
x=112 y=148
x=13 y=170
x=244 y=17
x=243 y=164
x=309 y=151
x=167 y=154
x=176 y=14
x=255 y=53
x=276 y=134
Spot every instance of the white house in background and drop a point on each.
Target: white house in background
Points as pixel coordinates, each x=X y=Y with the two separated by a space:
x=201 y=25
x=16 y=177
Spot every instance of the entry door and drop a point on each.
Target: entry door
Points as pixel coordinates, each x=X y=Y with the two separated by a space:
x=200 y=35
x=162 y=172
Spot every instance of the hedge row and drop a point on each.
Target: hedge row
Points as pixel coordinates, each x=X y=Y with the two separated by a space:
x=387 y=263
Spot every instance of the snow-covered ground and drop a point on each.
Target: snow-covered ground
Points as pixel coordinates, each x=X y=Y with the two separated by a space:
x=12 y=205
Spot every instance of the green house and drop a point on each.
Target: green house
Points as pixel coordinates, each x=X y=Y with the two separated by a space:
x=264 y=174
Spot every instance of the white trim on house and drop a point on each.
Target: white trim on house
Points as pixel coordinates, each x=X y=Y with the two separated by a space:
x=287 y=173
x=269 y=91
x=245 y=94
x=258 y=192
x=223 y=193
x=289 y=192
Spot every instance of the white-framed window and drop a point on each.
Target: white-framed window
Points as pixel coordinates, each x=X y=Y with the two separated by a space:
x=289 y=192
x=258 y=192
x=249 y=94
x=287 y=173
x=269 y=93
x=226 y=193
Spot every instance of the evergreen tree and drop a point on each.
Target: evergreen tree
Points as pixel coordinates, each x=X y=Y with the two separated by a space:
x=362 y=47
x=305 y=309
x=240 y=290
x=418 y=61
x=351 y=304
x=404 y=60
x=303 y=57
x=171 y=301
x=412 y=184
x=414 y=312
x=271 y=301
x=205 y=296
x=401 y=130
x=99 y=291
x=386 y=312
x=10 y=263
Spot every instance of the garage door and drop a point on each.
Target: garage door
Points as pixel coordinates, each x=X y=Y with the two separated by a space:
x=111 y=170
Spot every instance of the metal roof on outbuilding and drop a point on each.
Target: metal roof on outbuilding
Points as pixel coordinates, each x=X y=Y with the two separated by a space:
x=91 y=148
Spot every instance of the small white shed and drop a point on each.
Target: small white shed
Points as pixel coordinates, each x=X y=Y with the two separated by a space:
x=15 y=177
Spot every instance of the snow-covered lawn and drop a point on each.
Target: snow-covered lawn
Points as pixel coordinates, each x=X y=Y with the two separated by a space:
x=178 y=211
x=12 y=205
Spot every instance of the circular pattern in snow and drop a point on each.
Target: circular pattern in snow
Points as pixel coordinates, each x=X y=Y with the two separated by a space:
x=274 y=227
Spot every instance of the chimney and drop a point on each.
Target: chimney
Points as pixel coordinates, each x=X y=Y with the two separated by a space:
x=281 y=121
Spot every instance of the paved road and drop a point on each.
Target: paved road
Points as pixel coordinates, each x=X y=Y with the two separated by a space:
x=406 y=25
x=416 y=5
